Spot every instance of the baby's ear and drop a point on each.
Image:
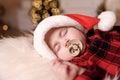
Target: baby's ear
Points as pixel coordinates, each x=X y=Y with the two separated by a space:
x=107 y=20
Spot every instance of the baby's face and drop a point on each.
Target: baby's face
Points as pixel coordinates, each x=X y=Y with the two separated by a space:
x=58 y=38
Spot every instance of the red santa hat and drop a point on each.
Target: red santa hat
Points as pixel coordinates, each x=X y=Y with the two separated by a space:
x=105 y=22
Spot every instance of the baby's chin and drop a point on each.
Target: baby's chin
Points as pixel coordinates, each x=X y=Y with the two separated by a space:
x=67 y=58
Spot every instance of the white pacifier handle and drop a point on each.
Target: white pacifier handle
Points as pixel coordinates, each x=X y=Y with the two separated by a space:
x=74 y=47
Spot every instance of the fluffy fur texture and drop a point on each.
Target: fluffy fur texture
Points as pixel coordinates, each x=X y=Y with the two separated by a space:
x=107 y=22
x=19 y=61
x=109 y=78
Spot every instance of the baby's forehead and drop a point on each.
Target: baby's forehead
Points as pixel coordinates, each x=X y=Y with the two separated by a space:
x=52 y=30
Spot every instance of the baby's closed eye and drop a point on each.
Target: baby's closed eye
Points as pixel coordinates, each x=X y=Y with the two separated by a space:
x=63 y=32
x=57 y=47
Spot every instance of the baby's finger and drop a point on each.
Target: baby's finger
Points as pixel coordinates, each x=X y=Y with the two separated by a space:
x=62 y=69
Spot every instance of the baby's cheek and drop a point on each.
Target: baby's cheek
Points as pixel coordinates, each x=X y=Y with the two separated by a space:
x=64 y=55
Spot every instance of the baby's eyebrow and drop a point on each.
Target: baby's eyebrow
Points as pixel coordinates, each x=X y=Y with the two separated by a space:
x=54 y=45
x=59 y=33
x=58 y=46
x=63 y=31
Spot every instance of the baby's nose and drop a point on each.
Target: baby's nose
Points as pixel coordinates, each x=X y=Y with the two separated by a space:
x=65 y=42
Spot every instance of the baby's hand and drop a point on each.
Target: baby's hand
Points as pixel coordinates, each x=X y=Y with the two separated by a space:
x=64 y=70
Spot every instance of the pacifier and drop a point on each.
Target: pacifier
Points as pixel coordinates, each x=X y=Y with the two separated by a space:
x=74 y=47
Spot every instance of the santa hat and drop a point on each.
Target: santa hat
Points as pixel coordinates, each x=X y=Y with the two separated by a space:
x=105 y=22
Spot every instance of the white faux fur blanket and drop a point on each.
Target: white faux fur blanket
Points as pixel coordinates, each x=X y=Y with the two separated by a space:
x=19 y=61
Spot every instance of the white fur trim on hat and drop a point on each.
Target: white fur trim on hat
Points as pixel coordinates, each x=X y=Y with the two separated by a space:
x=44 y=26
x=107 y=20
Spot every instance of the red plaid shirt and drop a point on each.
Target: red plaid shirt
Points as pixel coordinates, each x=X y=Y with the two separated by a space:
x=103 y=52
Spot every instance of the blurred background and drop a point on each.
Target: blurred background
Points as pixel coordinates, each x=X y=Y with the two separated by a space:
x=23 y=15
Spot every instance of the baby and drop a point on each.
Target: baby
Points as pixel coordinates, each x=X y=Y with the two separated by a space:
x=64 y=37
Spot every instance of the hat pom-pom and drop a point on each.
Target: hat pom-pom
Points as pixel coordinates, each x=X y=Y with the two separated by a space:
x=107 y=20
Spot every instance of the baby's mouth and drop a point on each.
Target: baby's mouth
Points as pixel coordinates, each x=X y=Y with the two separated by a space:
x=74 y=47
